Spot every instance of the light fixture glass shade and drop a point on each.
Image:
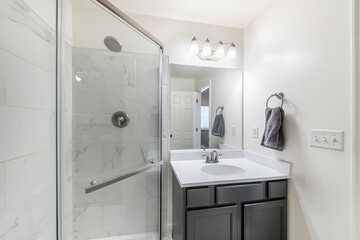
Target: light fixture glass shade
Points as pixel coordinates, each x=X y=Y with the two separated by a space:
x=206 y=50
x=220 y=51
x=194 y=48
x=232 y=52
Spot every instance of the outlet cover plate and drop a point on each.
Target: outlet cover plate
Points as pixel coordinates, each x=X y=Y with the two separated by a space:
x=330 y=139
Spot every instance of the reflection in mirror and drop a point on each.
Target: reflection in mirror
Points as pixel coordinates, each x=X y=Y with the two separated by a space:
x=196 y=95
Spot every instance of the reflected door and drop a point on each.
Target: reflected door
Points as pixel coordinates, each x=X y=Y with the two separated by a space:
x=114 y=69
x=183 y=120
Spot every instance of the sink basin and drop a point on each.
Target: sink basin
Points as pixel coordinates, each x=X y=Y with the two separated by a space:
x=222 y=170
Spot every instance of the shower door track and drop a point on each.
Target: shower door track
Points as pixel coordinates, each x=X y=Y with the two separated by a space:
x=96 y=186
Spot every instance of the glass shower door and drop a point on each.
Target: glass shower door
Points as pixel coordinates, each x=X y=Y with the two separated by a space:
x=115 y=119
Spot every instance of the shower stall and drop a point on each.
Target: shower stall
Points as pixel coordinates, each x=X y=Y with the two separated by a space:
x=109 y=125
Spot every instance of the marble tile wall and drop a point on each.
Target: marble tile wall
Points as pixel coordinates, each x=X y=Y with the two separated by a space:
x=113 y=82
x=27 y=123
x=66 y=163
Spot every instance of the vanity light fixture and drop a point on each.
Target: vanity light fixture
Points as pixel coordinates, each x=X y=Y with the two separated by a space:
x=211 y=53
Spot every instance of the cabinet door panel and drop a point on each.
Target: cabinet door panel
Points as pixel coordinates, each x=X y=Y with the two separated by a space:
x=212 y=224
x=266 y=220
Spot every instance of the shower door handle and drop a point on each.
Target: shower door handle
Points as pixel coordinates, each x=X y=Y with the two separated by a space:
x=96 y=186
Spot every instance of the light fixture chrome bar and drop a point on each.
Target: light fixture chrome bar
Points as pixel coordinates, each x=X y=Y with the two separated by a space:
x=130 y=21
x=96 y=186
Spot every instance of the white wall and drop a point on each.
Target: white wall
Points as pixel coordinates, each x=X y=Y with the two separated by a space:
x=303 y=48
x=176 y=36
x=182 y=84
x=27 y=120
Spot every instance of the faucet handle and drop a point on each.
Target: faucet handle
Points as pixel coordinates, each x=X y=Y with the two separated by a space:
x=207 y=158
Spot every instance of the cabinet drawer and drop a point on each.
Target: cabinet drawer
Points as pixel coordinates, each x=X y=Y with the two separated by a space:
x=240 y=193
x=277 y=189
x=198 y=197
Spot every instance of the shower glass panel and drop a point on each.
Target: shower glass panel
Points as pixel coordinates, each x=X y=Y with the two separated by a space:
x=111 y=110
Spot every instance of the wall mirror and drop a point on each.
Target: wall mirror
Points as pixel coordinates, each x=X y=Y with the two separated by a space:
x=197 y=96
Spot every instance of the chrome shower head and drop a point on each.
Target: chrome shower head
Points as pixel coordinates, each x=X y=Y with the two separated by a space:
x=112 y=44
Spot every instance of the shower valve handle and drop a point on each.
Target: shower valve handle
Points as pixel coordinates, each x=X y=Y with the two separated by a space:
x=120 y=119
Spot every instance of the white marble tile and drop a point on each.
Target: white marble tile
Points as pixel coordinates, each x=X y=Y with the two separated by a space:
x=2 y=78
x=148 y=185
x=68 y=77
x=32 y=219
x=165 y=70
x=22 y=23
x=67 y=128
x=28 y=85
x=50 y=233
x=88 y=218
x=165 y=125
x=2 y=187
x=147 y=70
x=96 y=129
x=104 y=66
x=87 y=158
x=121 y=157
x=27 y=177
x=142 y=100
x=114 y=98
x=25 y=131
x=67 y=194
x=114 y=156
x=87 y=97
x=164 y=99
x=148 y=128
x=133 y=215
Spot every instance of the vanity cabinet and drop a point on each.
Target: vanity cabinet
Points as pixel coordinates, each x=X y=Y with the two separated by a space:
x=212 y=223
x=246 y=211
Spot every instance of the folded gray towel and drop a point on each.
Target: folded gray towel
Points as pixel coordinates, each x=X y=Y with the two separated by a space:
x=274 y=130
x=218 y=128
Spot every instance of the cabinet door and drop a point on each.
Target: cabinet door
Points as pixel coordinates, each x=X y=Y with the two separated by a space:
x=212 y=224
x=266 y=220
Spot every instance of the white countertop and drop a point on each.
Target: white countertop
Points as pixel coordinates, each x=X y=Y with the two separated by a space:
x=191 y=173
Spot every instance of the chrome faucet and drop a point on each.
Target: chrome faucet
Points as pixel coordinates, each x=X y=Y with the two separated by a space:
x=214 y=157
x=203 y=147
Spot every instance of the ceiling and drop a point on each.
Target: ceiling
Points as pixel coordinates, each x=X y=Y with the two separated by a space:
x=229 y=13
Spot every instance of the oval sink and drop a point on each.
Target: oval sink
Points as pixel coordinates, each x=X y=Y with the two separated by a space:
x=222 y=170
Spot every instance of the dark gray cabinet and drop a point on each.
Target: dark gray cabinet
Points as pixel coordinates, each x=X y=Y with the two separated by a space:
x=265 y=220
x=247 y=211
x=212 y=224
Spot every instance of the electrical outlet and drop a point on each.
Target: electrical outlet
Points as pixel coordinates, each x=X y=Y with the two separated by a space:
x=255 y=132
x=330 y=139
x=233 y=130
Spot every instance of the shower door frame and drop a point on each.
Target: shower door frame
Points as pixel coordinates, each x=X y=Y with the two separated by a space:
x=59 y=97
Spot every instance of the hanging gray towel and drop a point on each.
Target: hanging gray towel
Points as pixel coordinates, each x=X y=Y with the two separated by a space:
x=218 y=128
x=274 y=130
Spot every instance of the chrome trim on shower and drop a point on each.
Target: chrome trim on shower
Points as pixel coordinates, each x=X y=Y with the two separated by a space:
x=130 y=21
x=94 y=185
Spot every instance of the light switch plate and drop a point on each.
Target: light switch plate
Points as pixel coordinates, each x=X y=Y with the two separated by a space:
x=233 y=130
x=330 y=139
x=255 y=132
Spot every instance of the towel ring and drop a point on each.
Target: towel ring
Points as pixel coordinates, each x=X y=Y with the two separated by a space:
x=221 y=109
x=279 y=96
